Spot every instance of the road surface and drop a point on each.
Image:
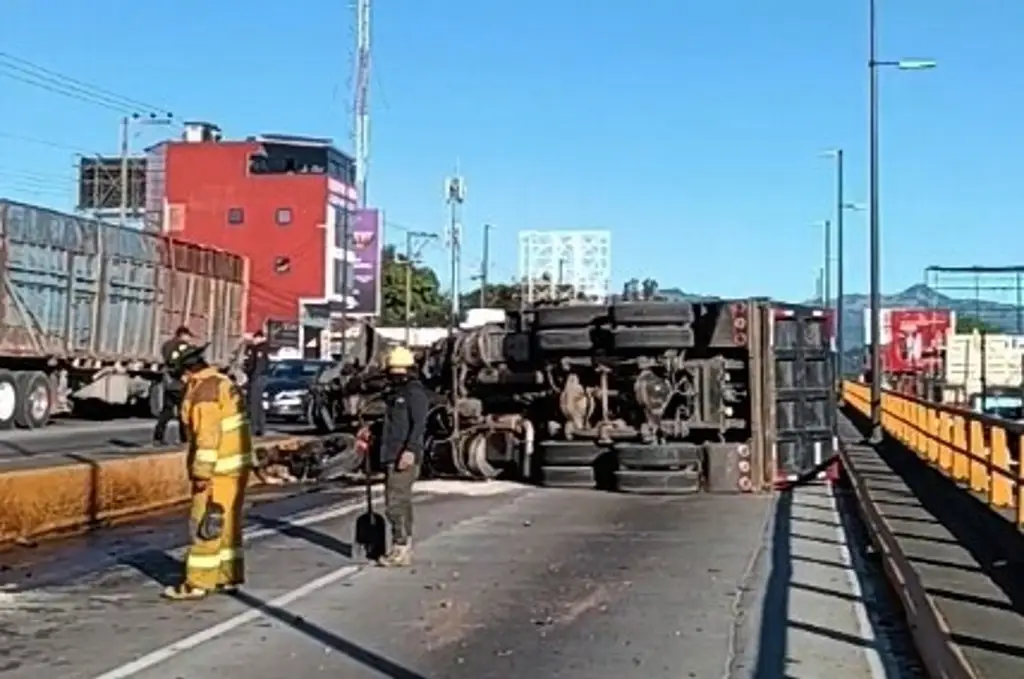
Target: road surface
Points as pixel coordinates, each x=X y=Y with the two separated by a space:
x=52 y=444
x=509 y=582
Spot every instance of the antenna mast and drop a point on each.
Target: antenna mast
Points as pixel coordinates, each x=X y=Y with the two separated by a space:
x=361 y=108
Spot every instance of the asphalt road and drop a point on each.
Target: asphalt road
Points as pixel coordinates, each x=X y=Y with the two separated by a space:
x=127 y=437
x=509 y=582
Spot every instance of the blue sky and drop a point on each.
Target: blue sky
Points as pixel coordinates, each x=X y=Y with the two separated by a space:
x=691 y=130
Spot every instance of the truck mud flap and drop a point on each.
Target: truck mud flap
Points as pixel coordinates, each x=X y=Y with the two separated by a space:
x=652 y=313
x=652 y=338
x=569 y=316
x=657 y=482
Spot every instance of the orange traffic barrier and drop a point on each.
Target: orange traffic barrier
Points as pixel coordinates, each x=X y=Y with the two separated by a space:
x=85 y=493
x=978 y=452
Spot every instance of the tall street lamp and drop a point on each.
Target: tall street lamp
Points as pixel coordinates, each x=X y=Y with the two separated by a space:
x=842 y=206
x=876 y=284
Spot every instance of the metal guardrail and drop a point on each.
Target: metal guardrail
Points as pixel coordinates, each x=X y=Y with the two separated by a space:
x=977 y=452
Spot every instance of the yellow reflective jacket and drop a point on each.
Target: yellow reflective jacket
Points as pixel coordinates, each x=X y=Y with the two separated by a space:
x=219 y=440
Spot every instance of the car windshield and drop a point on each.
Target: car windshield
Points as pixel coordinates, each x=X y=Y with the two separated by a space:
x=295 y=369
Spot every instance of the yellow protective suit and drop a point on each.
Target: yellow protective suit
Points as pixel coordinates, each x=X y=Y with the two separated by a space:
x=220 y=453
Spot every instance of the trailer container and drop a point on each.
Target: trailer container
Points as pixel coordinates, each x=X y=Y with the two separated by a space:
x=86 y=305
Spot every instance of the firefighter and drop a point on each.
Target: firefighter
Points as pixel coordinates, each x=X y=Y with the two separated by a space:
x=219 y=462
x=257 y=361
x=173 y=386
x=401 y=451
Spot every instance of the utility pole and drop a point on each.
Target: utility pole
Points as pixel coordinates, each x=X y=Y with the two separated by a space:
x=485 y=266
x=346 y=216
x=361 y=104
x=455 y=195
x=840 y=271
x=826 y=283
x=126 y=123
x=419 y=238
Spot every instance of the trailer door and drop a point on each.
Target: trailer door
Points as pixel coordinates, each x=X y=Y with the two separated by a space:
x=804 y=406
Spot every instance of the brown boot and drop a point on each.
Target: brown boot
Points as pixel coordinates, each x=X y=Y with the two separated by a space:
x=400 y=556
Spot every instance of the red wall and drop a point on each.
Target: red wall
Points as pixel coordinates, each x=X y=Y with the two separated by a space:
x=209 y=179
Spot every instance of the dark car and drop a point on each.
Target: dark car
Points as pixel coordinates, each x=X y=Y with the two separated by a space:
x=286 y=396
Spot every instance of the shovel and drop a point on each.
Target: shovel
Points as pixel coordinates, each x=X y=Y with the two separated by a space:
x=371 y=529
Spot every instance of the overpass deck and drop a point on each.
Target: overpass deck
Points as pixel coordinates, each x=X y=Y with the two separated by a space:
x=510 y=582
x=951 y=553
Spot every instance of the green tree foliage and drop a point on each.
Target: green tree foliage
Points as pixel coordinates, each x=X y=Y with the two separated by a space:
x=968 y=324
x=429 y=307
x=507 y=295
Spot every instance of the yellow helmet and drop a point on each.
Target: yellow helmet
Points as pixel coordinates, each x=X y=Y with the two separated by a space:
x=400 y=358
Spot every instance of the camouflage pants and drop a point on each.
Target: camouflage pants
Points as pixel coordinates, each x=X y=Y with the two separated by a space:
x=398 y=502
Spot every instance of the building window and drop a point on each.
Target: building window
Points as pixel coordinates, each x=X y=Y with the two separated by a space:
x=236 y=216
x=282 y=265
x=283 y=216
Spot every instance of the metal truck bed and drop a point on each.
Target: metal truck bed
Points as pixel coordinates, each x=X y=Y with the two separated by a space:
x=82 y=292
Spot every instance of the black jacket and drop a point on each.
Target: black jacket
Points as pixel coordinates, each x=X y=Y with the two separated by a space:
x=405 y=422
x=170 y=351
x=257 y=360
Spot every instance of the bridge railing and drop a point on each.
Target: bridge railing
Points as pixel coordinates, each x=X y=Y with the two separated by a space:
x=980 y=453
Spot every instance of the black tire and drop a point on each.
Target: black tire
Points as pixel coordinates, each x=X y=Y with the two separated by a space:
x=652 y=313
x=657 y=482
x=156 y=398
x=578 y=316
x=35 y=400
x=652 y=338
x=569 y=453
x=568 y=477
x=565 y=340
x=8 y=399
x=664 y=456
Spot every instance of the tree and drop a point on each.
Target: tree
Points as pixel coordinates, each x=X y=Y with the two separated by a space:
x=428 y=306
x=509 y=296
x=968 y=324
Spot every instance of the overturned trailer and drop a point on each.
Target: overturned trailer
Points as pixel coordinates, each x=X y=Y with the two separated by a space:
x=637 y=396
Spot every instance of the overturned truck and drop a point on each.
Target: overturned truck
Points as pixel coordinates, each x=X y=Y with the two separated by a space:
x=639 y=396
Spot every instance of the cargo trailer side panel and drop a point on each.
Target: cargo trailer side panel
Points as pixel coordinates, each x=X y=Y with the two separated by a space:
x=75 y=289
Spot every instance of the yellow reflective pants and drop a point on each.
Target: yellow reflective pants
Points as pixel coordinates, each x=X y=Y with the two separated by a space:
x=210 y=563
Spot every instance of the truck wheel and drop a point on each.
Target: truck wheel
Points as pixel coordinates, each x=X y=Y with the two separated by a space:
x=568 y=316
x=569 y=453
x=656 y=338
x=35 y=400
x=657 y=482
x=156 y=399
x=665 y=456
x=568 y=477
x=8 y=399
x=557 y=341
x=652 y=313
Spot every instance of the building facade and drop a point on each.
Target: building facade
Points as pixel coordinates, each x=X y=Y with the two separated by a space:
x=279 y=200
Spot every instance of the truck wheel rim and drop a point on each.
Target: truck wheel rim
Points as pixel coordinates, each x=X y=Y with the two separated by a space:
x=39 y=402
x=8 y=399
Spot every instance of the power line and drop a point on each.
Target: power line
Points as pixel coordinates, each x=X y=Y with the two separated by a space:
x=33 y=74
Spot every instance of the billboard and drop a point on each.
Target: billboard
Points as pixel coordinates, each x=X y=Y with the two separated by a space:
x=912 y=339
x=357 y=265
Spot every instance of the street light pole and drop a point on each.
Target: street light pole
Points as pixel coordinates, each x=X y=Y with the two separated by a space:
x=840 y=291
x=873 y=212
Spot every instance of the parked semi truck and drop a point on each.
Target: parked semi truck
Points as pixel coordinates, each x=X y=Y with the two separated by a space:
x=637 y=396
x=86 y=305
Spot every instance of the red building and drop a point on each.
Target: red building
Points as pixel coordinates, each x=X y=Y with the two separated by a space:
x=276 y=199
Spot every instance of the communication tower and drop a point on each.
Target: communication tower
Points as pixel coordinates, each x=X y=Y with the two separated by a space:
x=552 y=263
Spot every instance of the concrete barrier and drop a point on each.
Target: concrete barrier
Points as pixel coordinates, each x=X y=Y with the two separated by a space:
x=83 y=493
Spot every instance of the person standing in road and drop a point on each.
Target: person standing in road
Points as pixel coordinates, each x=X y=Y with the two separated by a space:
x=257 y=361
x=401 y=451
x=219 y=460
x=173 y=386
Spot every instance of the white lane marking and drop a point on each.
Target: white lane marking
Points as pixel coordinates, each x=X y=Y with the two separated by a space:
x=876 y=665
x=210 y=633
x=188 y=643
